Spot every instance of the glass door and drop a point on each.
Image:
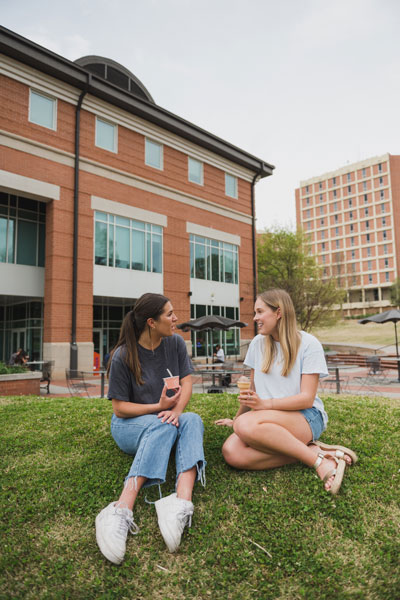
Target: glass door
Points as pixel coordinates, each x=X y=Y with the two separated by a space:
x=18 y=339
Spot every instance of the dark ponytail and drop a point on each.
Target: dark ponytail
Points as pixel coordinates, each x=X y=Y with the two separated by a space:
x=148 y=306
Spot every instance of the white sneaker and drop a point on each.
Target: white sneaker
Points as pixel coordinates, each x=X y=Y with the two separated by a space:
x=173 y=515
x=112 y=526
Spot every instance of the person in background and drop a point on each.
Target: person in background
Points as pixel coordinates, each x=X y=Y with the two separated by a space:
x=148 y=421
x=14 y=356
x=22 y=358
x=219 y=356
x=281 y=417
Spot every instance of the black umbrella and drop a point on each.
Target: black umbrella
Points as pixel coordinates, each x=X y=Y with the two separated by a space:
x=392 y=315
x=211 y=322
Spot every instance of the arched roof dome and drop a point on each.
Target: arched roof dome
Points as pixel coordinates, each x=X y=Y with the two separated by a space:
x=116 y=74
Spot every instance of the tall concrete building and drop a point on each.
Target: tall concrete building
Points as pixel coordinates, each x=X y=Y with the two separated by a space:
x=352 y=218
x=104 y=195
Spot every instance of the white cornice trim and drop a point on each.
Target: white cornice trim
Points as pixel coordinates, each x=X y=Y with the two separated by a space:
x=40 y=190
x=35 y=148
x=368 y=162
x=58 y=89
x=214 y=234
x=132 y=212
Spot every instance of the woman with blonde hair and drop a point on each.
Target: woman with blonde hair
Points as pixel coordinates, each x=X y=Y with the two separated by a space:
x=281 y=418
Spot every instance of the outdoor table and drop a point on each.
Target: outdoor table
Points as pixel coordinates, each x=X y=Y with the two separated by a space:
x=220 y=373
x=336 y=368
x=36 y=364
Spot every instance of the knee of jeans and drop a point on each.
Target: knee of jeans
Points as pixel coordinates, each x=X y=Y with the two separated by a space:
x=192 y=420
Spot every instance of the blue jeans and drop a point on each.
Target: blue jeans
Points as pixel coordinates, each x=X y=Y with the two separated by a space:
x=151 y=442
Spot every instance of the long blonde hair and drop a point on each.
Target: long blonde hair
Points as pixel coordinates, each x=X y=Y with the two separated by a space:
x=289 y=337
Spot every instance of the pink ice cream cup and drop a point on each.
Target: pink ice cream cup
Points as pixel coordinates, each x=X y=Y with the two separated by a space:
x=172 y=383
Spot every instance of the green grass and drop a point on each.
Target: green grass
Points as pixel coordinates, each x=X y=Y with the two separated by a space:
x=60 y=467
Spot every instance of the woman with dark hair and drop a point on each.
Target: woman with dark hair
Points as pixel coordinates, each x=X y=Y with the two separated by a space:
x=281 y=417
x=148 y=421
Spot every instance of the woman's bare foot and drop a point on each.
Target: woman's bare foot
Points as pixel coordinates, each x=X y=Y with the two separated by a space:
x=318 y=450
x=327 y=465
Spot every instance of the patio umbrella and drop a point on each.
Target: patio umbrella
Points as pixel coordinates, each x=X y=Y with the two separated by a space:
x=392 y=315
x=211 y=322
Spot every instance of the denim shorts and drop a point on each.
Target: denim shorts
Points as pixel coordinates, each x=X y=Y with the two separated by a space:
x=314 y=418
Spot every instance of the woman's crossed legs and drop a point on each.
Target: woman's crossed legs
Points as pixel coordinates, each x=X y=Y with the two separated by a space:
x=265 y=439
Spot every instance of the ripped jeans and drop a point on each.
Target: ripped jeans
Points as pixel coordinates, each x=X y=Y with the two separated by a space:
x=151 y=442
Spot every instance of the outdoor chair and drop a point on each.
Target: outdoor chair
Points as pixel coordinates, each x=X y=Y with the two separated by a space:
x=47 y=370
x=77 y=384
x=375 y=375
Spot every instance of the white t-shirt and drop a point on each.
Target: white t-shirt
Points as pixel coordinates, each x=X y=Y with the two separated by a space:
x=221 y=355
x=310 y=359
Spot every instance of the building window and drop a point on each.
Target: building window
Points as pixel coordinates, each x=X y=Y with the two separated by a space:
x=369 y=265
x=322 y=222
x=366 y=224
x=335 y=206
x=336 y=218
x=337 y=243
x=365 y=198
x=308 y=213
x=386 y=262
x=385 y=249
x=231 y=186
x=349 y=189
x=366 y=212
x=334 y=193
x=351 y=227
x=22 y=230
x=323 y=259
x=353 y=254
x=364 y=185
x=307 y=201
x=106 y=135
x=350 y=214
x=348 y=176
x=352 y=241
x=384 y=234
x=308 y=225
x=353 y=267
x=381 y=181
x=386 y=276
x=380 y=167
x=382 y=194
x=368 y=237
x=350 y=202
x=369 y=251
x=333 y=180
x=364 y=172
x=307 y=189
x=195 y=171
x=383 y=221
x=321 y=210
x=127 y=244
x=320 y=185
x=369 y=278
x=322 y=235
x=383 y=208
x=42 y=110
x=336 y=230
x=153 y=154
x=323 y=246
x=204 y=342
x=213 y=260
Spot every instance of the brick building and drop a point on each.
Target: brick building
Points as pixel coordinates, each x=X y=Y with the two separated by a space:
x=352 y=217
x=104 y=196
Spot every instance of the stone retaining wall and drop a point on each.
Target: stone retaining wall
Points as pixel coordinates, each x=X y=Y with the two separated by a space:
x=23 y=384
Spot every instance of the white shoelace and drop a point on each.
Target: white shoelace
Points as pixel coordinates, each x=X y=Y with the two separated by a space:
x=125 y=523
x=184 y=515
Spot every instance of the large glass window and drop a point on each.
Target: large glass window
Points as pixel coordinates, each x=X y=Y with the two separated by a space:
x=22 y=230
x=127 y=243
x=154 y=154
x=106 y=135
x=42 y=110
x=213 y=260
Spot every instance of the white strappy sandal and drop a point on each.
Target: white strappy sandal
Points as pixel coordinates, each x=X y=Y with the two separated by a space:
x=337 y=472
x=340 y=451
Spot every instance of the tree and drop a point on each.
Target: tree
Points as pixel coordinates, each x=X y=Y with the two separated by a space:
x=284 y=261
x=395 y=292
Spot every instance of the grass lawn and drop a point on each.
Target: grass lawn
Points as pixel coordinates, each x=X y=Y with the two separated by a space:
x=255 y=535
x=349 y=331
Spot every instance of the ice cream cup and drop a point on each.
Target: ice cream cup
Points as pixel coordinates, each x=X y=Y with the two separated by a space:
x=172 y=383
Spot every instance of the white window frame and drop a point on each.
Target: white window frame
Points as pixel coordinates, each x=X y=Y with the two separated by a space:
x=234 y=178
x=161 y=146
x=54 y=100
x=194 y=160
x=115 y=126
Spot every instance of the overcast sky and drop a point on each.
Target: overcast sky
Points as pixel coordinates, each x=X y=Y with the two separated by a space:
x=306 y=85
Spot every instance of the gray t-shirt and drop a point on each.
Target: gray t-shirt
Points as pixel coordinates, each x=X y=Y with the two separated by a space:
x=170 y=354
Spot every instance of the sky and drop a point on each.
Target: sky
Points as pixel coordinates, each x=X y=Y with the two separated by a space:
x=305 y=85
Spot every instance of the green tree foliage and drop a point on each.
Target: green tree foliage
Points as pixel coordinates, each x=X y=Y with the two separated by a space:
x=284 y=262
x=395 y=292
